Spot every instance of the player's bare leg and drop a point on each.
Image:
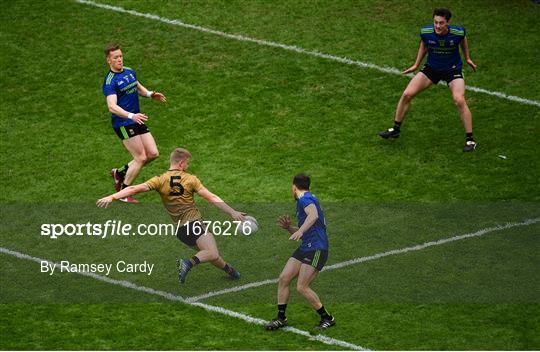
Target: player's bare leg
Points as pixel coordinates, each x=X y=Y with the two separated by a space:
x=220 y=263
x=150 y=147
x=143 y=148
x=135 y=147
x=305 y=277
x=207 y=252
x=457 y=87
x=207 y=246
x=289 y=272
x=125 y=175
x=418 y=83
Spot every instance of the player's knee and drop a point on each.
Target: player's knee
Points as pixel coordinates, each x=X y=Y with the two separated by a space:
x=141 y=158
x=301 y=288
x=213 y=256
x=407 y=95
x=153 y=155
x=459 y=100
x=284 y=279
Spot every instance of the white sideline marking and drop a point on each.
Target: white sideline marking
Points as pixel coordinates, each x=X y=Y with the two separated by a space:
x=385 y=69
x=433 y=243
x=372 y=257
x=321 y=338
x=325 y=339
x=107 y=279
x=231 y=289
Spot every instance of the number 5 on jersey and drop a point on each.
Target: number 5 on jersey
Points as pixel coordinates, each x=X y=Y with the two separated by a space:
x=176 y=187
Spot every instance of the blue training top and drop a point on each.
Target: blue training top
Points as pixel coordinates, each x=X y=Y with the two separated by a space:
x=443 y=50
x=124 y=85
x=315 y=237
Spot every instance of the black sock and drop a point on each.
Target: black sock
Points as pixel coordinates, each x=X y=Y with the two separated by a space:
x=228 y=269
x=124 y=186
x=122 y=170
x=324 y=314
x=397 y=125
x=469 y=136
x=281 y=308
x=194 y=260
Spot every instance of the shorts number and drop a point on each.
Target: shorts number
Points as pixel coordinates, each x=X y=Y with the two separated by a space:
x=176 y=187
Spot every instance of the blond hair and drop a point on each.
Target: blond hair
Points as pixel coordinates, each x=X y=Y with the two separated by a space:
x=179 y=154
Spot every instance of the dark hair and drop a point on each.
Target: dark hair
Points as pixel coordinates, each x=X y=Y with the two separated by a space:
x=302 y=181
x=443 y=13
x=111 y=47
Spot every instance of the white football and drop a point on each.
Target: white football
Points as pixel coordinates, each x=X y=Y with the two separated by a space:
x=248 y=227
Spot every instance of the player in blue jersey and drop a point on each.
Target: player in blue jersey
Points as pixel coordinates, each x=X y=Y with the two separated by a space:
x=122 y=89
x=308 y=259
x=441 y=42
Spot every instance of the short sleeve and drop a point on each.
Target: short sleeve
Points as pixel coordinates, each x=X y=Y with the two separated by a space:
x=425 y=32
x=196 y=184
x=458 y=32
x=304 y=202
x=462 y=37
x=154 y=183
x=108 y=86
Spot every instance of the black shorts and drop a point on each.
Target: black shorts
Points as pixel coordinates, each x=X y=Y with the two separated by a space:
x=436 y=76
x=189 y=233
x=316 y=259
x=126 y=132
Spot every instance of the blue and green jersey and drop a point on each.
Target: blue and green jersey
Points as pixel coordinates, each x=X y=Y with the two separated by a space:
x=124 y=85
x=315 y=237
x=443 y=50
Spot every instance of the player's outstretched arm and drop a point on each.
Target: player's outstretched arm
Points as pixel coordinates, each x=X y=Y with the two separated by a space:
x=465 y=49
x=224 y=207
x=150 y=94
x=284 y=222
x=312 y=216
x=126 y=192
x=419 y=57
x=112 y=104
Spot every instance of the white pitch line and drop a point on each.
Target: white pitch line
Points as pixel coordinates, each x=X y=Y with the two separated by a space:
x=172 y=297
x=371 y=257
x=433 y=243
x=231 y=289
x=106 y=279
x=324 y=339
x=344 y=60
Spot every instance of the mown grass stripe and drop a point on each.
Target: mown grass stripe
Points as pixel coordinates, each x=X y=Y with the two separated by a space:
x=172 y=297
x=419 y=247
x=344 y=60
